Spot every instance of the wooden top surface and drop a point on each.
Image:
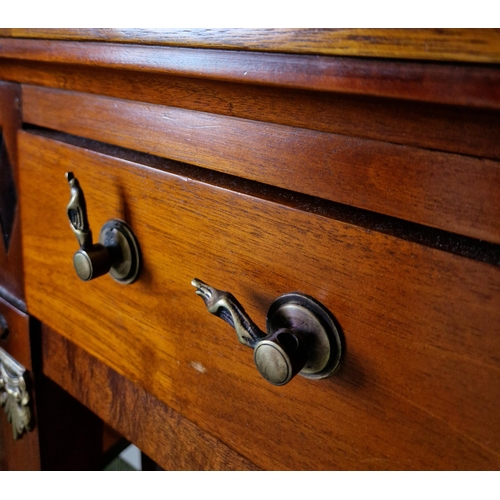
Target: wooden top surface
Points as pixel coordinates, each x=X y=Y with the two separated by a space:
x=473 y=85
x=465 y=45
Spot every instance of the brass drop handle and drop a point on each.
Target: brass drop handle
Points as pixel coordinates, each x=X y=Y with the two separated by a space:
x=117 y=251
x=301 y=337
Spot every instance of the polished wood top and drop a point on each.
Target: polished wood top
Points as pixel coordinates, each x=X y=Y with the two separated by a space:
x=468 y=45
x=452 y=84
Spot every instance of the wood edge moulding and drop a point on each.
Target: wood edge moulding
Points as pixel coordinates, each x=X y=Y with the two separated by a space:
x=477 y=86
x=371 y=175
x=427 y=125
x=470 y=45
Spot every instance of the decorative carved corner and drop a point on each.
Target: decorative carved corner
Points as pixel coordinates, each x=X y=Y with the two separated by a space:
x=14 y=397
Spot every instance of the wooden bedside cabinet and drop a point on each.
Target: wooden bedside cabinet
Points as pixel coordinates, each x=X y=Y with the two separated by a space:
x=348 y=204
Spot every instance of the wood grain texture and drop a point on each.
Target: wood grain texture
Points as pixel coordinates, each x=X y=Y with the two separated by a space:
x=17 y=342
x=11 y=268
x=451 y=192
x=22 y=454
x=171 y=440
x=419 y=384
x=469 y=131
x=476 y=86
x=471 y=45
x=65 y=435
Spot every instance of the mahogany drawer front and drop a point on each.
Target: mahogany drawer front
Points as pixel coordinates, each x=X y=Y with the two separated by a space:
x=443 y=190
x=419 y=384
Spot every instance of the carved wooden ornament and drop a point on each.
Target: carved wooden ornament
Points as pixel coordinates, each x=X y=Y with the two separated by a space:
x=14 y=397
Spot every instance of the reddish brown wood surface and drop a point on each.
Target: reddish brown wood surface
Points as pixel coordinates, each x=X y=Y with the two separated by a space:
x=451 y=192
x=476 y=86
x=419 y=384
x=457 y=129
x=17 y=342
x=171 y=440
x=474 y=45
x=65 y=435
x=112 y=440
x=11 y=269
x=22 y=454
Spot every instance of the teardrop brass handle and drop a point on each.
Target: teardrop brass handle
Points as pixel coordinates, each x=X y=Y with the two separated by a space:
x=301 y=337
x=117 y=251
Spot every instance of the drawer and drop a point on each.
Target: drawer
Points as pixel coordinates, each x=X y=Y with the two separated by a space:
x=418 y=385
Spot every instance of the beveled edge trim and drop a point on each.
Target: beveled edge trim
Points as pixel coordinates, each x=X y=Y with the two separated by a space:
x=477 y=86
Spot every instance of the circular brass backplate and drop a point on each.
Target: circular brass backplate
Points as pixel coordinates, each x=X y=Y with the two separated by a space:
x=118 y=237
x=302 y=313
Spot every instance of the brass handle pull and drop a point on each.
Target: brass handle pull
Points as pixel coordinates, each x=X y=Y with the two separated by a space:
x=117 y=251
x=301 y=337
